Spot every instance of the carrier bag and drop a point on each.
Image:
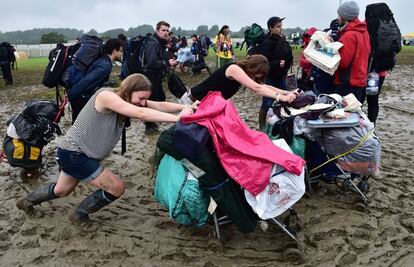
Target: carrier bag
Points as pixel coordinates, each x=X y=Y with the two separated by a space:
x=284 y=190
x=178 y=190
x=20 y=154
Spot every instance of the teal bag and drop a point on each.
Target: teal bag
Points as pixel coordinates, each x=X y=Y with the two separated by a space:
x=186 y=202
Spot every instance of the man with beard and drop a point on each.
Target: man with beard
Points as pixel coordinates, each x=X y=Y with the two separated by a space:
x=156 y=62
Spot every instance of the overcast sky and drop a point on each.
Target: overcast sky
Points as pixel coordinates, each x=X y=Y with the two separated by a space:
x=103 y=15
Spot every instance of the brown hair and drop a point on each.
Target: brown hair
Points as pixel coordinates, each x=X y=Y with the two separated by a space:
x=255 y=64
x=160 y=23
x=133 y=83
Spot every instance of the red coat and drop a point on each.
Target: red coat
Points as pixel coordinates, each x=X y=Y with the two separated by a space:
x=246 y=155
x=353 y=68
x=303 y=62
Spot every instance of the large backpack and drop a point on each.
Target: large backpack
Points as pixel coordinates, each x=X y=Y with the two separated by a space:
x=91 y=47
x=136 y=62
x=132 y=44
x=205 y=44
x=59 y=59
x=253 y=36
x=385 y=36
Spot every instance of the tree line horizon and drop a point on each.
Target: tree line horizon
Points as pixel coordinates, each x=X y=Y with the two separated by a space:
x=50 y=35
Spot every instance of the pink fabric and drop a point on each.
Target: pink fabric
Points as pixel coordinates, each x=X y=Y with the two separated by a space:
x=246 y=155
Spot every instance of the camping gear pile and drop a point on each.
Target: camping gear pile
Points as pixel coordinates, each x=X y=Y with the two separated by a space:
x=28 y=132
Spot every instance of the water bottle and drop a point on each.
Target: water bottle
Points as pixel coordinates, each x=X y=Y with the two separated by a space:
x=373 y=81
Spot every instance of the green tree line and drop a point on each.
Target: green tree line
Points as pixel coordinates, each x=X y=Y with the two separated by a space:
x=51 y=35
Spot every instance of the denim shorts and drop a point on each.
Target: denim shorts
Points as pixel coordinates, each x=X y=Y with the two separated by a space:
x=78 y=165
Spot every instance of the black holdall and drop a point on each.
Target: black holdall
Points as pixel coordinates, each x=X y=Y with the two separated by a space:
x=190 y=139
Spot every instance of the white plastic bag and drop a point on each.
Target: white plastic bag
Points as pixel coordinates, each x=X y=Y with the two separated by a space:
x=284 y=190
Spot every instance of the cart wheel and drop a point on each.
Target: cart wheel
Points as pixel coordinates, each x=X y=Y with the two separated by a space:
x=215 y=244
x=29 y=174
x=363 y=186
x=360 y=206
x=293 y=255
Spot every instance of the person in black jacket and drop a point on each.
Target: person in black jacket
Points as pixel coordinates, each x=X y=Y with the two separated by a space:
x=278 y=52
x=6 y=58
x=156 y=62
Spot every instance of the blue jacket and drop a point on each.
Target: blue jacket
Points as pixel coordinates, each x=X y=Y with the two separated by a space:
x=85 y=85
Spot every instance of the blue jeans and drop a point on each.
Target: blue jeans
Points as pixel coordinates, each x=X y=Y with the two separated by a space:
x=268 y=101
x=78 y=165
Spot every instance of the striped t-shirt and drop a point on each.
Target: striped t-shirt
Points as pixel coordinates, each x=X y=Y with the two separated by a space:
x=93 y=133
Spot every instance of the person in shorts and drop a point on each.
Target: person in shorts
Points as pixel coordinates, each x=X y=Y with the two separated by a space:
x=92 y=137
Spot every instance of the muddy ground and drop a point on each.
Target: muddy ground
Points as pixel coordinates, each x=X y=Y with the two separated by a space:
x=136 y=231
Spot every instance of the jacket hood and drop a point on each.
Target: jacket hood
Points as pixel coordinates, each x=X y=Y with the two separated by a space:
x=355 y=25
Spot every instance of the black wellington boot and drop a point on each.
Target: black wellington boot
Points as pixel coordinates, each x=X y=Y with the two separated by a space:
x=92 y=203
x=36 y=197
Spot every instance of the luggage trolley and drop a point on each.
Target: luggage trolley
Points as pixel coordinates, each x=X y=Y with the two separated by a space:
x=323 y=167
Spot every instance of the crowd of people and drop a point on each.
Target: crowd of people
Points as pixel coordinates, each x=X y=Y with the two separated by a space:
x=99 y=114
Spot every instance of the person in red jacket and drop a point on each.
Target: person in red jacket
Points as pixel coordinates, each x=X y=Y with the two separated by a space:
x=351 y=75
x=306 y=66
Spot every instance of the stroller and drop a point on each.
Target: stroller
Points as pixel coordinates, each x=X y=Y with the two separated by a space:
x=191 y=64
x=232 y=206
x=29 y=131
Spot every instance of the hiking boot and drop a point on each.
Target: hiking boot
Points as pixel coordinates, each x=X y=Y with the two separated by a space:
x=151 y=128
x=36 y=197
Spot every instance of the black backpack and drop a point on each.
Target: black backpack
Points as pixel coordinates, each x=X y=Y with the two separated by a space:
x=59 y=60
x=37 y=124
x=253 y=36
x=20 y=154
x=91 y=48
x=385 y=36
x=136 y=61
x=205 y=44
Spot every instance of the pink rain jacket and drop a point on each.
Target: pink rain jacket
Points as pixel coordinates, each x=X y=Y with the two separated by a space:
x=246 y=155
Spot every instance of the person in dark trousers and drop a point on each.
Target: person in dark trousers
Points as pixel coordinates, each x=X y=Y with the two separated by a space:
x=278 y=52
x=156 y=62
x=6 y=58
x=351 y=75
x=92 y=138
x=80 y=90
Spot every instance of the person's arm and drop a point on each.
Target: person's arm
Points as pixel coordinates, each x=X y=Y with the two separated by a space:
x=238 y=74
x=170 y=107
x=107 y=100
